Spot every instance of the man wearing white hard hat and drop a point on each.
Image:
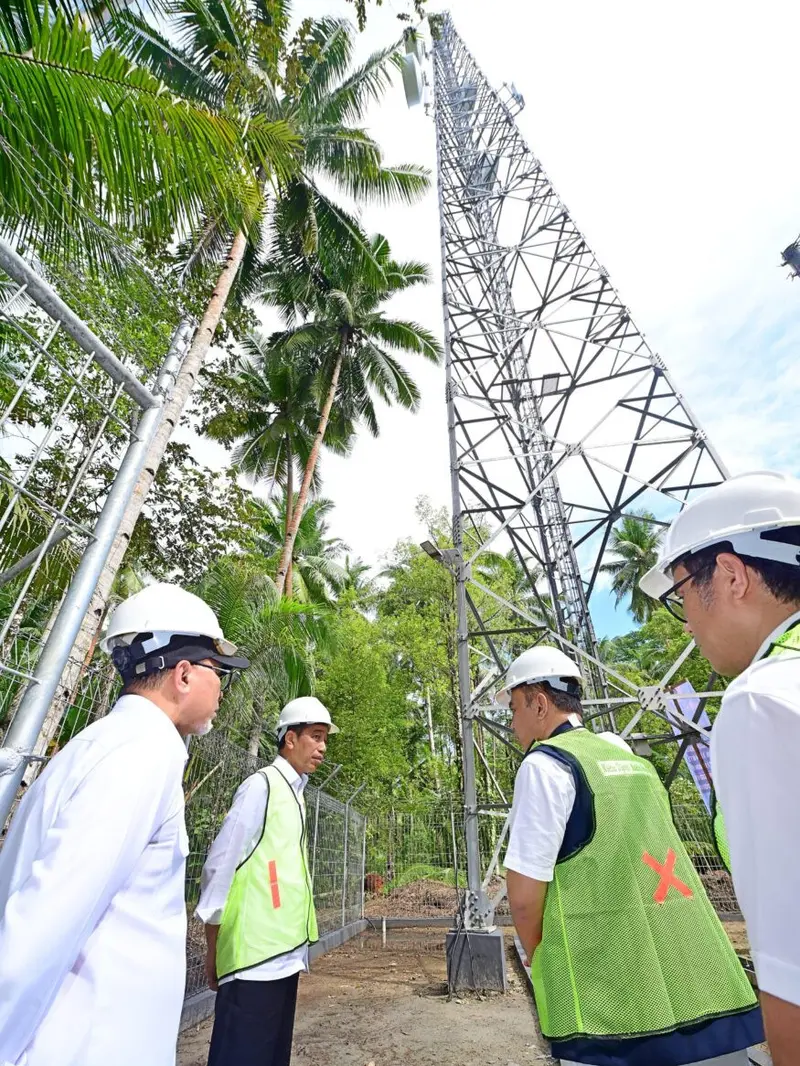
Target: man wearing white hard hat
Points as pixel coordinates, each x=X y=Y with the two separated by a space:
x=257 y=899
x=629 y=962
x=729 y=568
x=92 y=912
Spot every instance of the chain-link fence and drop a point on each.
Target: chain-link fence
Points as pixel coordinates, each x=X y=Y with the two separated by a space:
x=416 y=868
x=694 y=826
x=416 y=865
x=78 y=362
x=93 y=688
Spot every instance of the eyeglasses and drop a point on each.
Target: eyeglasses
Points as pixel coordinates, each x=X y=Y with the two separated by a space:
x=674 y=603
x=224 y=673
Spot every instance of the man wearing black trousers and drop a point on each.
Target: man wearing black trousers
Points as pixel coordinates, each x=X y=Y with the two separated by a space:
x=257 y=901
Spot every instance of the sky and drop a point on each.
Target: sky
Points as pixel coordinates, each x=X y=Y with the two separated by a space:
x=669 y=132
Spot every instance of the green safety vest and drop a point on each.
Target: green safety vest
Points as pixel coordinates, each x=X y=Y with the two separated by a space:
x=630 y=945
x=270 y=906
x=786 y=642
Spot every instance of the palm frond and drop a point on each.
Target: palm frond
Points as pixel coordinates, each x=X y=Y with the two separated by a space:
x=75 y=124
x=137 y=38
x=405 y=336
x=341 y=237
x=327 y=61
x=388 y=378
x=367 y=84
x=275 y=146
x=338 y=307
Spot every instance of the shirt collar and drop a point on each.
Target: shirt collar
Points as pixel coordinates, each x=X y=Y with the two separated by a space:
x=297 y=781
x=787 y=623
x=146 y=708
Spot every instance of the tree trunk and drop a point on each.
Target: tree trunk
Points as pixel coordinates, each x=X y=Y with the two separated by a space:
x=431 y=739
x=297 y=513
x=255 y=738
x=66 y=695
x=289 y=510
x=184 y=384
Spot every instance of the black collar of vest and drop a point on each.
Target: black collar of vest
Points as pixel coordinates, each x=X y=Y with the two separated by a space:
x=565 y=727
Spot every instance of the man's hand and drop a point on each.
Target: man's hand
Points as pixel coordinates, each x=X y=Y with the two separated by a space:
x=526 y=899
x=211 y=972
x=212 y=932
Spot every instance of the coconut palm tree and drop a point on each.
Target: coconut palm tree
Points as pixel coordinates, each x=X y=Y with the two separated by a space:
x=319 y=575
x=634 y=550
x=356 y=582
x=279 y=636
x=239 y=55
x=355 y=345
x=270 y=418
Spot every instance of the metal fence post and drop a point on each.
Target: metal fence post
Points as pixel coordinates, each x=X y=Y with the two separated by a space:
x=319 y=788
x=346 y=835
x=33 y=708
x=363 y=866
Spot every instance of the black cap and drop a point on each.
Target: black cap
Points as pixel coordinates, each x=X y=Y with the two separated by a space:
x=133 y=661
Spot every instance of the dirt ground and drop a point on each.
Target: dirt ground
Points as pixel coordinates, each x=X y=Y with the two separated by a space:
x=363 y=1004
x=738 y=937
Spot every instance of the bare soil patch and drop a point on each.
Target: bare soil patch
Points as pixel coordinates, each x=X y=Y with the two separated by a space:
x=364 y=1004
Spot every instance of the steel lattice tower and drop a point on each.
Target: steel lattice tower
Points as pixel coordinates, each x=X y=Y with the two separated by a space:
x=561 y=418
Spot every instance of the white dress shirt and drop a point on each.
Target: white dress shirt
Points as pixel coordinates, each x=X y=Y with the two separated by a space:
x=240 y=832
x=92 y=912
x=544 y=795
x=755 y=753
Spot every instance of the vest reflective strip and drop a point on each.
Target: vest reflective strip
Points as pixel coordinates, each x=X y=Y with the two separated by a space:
x=273 y=884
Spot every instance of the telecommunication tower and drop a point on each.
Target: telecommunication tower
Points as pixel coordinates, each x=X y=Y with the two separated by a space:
x=562 y=420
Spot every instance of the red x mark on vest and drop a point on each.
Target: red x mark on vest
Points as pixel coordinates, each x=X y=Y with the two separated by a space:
x=668 y=878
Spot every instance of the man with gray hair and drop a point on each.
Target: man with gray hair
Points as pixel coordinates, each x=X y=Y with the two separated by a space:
x=92 y=912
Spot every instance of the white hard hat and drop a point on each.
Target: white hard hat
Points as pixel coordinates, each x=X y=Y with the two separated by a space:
x=743 y=511
x=163 y=608
x=542 y=663
x=305 y=710
x=166 y=618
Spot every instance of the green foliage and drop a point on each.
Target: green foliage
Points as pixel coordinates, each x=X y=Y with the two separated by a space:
x=240 y=56
x=646 y=653
x=192 y=516
x=87 y=133
x=367 y=700
x=343 y=329
x=318 y=574
x=268 y=411
x=416 y=10
x=421 y=872
x=280 y=638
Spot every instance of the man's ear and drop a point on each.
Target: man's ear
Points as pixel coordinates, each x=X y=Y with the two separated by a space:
x=734 y=574
x=180 y=675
